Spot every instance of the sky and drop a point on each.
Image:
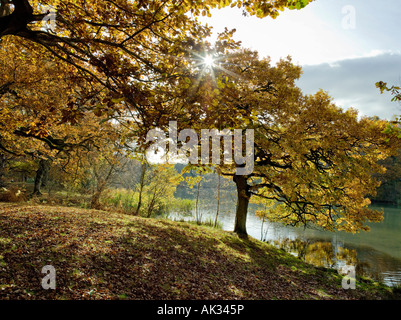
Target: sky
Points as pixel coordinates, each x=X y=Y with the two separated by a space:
x=343 y=46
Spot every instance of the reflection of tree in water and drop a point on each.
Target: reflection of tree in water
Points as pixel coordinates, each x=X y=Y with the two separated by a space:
x=319 y=253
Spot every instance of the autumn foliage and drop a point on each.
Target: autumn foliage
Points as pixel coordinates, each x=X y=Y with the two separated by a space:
x=94 y=82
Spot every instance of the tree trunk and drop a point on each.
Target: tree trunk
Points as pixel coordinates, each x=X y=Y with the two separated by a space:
x=197 y=212
x=101 y=184
x=45 y=176
x=41 y=176
x=3 y=164
x=95 y=199
x=141 y=186
x=218 y=203
x=152 y=203
x=242 y=204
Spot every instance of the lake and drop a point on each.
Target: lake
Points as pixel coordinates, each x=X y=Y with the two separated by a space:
x=376 y=253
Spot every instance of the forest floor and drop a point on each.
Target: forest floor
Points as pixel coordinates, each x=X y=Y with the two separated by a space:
x=104 y=255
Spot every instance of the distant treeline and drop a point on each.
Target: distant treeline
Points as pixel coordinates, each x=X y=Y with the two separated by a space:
x=390 y=188
x=388 y=192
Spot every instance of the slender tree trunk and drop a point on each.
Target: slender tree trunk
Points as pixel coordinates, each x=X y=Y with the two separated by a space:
x=242 y=204
x=101 y=184
x=152 y=203
x=138 y=207
x=198 y=217
x=141 y=186
x=218 y=202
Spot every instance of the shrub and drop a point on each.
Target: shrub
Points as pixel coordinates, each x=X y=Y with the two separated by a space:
x=123 y=199
x=127 y=201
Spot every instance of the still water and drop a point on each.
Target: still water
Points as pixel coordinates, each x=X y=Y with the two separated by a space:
x=376 y=253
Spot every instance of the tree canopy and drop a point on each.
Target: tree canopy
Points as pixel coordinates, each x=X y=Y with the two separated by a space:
x=314 y=163
x=135 y=50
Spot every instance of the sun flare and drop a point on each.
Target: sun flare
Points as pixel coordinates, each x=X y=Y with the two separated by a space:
x=208 y=61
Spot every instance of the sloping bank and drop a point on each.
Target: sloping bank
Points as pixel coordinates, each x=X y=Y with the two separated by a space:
x=103 y=255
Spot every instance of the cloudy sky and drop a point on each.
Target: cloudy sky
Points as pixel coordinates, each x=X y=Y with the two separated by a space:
x=344 y=47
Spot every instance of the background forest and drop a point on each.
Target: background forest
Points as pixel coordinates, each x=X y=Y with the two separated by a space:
x=139 y=188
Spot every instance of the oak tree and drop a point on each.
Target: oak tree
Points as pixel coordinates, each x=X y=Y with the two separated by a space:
x=313 y=162
x=135 y=50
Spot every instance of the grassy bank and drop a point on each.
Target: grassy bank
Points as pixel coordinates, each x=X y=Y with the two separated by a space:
x=103 y=255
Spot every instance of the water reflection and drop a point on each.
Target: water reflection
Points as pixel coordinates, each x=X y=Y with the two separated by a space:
x=368 y=263
x=321 y=254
